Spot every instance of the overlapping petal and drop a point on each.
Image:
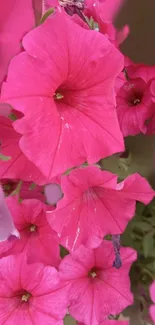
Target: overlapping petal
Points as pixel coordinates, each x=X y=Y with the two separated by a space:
x=30 y=294
x=94 y=205
x=66 y=95
x=97 y=288
x=37 y=240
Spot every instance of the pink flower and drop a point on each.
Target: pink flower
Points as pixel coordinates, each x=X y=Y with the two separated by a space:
x=111 y=322
x=146 y=73
x=97 y=289
x=37 y=240
x=18 y=167
x=30 y=294
x=16 y=19
x=134 y=102
x=94 y=205
x=7 y=227
x=109 y=8
x=66 y=95
x=152 y=308
x=104 y=13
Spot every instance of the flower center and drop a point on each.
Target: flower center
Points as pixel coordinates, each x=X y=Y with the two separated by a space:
x=33 y=228
x=25 y=297
x=58 y=96
x=135 y=98
x=136 y=101
x=93 y=273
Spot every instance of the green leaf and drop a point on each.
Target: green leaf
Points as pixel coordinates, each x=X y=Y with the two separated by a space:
x=63 y=251
x=46 y=15
x=142 y=225
x=140 y=207
x=148 y=244
x=4 y=158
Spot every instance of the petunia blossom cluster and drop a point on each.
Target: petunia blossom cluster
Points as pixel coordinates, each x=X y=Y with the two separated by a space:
x=68 y=99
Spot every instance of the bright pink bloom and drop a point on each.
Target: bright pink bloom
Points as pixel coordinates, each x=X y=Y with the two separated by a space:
x=111 y=322
x=70 y=115
x=16 y=19
x=146 y=73
x=94 y=205
x=134 y=102
x=37 y=240
x=18 y=167
x=30 y=294
x=104 y=13
x=7 y=227
x=97 y=288
x=109 y=8
x=152 y=308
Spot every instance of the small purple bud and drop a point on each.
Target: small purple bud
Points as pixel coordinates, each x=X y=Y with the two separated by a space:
x=117 y=245
x=117 y=263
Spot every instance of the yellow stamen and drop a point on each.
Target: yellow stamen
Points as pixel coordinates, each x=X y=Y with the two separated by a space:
x=136 y=101
x=33 y=228
x=58 y=96
x=93 y=274
x=26 y=297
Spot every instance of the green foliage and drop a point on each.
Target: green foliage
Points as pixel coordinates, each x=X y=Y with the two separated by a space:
x=46 y=15
x=140 y=235
x=63 y=251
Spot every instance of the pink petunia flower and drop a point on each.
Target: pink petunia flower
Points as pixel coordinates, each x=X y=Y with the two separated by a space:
x=97 y=289
x=30 y=294
x=94 y=205
x=12 y=31
x=7 y=227
x=16 y=19
x=37 y=240
x=134 y=102
x=66 y=95
x=104 y=13
x=18 y=167
x=152 y=308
